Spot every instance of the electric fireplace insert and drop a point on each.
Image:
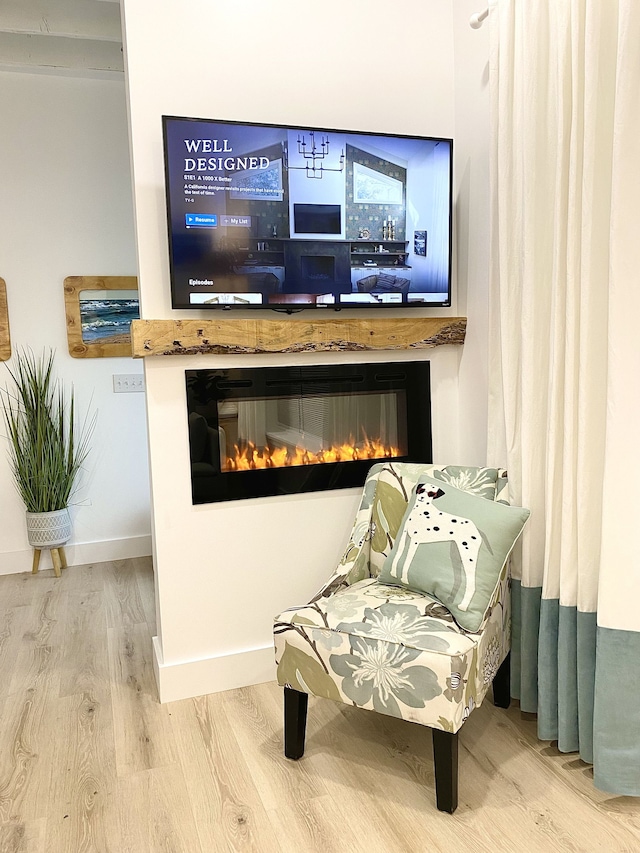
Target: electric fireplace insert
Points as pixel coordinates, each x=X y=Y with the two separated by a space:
x=257 y=432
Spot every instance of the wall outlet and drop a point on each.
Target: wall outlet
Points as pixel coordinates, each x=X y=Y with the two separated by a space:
x=125 y=383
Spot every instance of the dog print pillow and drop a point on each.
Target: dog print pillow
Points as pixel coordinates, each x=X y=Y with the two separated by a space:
x=453 y=545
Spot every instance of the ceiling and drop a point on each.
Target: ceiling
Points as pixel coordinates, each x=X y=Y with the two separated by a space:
x=61 y=36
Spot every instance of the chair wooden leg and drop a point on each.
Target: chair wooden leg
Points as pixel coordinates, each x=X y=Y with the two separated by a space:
x=502 y=684
x=36 y=560
x=445 y=760
x=295 y=722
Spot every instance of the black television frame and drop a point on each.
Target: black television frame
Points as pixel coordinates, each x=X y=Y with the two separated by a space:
x=291 y=308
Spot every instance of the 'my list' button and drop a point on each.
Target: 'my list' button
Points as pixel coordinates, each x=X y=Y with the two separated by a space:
x=201 y=220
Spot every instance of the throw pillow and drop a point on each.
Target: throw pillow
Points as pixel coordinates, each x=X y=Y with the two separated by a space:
x=387 y=279
x=453 y=545
x=367 y=284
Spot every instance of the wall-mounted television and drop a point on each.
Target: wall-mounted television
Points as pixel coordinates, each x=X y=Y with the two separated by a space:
x=317 y=219
x=272 y=216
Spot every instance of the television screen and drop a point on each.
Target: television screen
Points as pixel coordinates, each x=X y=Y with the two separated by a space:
x=316 y=219
x=268 y=216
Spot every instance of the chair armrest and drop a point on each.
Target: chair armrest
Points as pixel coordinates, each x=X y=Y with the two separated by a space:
x=354 y=565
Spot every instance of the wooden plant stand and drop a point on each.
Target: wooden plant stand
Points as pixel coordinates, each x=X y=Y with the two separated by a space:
x=58 y=559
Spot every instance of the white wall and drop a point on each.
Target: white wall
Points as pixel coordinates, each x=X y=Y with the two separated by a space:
x=66 y=209
x=472 y=115
x=427 y=215
x=223 y=571
x=330 y=190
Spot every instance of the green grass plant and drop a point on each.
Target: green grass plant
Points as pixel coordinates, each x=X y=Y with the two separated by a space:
x=46 y=447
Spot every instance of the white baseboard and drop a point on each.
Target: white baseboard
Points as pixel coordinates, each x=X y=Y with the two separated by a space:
x=211 y=675
x=78 y=554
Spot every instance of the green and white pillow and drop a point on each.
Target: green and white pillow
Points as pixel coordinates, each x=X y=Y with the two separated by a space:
x=453 y=545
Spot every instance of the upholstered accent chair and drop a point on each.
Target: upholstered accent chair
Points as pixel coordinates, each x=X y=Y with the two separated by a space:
x=388 y=647
x=383 y=283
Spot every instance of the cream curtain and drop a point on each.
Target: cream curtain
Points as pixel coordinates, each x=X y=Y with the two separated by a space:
x=565 y=363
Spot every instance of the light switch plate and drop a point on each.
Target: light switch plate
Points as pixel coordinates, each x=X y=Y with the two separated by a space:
x=127 y=383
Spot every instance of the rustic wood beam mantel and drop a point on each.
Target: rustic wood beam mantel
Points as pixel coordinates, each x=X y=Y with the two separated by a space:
x=216 y=337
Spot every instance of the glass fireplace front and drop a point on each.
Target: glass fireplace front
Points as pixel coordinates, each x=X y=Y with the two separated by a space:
x=267 y=431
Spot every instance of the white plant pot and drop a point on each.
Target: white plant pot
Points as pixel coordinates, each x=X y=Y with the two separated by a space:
x=48 y=529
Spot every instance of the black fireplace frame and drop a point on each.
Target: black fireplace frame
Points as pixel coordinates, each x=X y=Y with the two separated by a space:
x=205 y=388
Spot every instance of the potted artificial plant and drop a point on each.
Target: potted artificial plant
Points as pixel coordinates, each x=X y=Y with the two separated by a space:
x=46 y=447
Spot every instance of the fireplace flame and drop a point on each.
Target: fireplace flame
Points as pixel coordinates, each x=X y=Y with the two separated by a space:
x=252 y=457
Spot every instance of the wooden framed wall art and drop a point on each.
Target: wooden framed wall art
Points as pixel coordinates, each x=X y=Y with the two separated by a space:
x=99 y=312
x=5 y=337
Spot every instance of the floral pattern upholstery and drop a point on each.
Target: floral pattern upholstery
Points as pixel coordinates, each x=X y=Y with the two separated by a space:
x=385 y=648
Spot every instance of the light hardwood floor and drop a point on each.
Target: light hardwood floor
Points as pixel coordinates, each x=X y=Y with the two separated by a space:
x=89 y=761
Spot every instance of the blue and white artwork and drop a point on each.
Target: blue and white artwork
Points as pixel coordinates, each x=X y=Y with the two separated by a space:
x=106 y=316
x=259 y=185
x=371 y=187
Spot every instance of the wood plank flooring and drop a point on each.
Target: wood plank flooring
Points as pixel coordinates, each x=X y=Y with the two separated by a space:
x=89 y=761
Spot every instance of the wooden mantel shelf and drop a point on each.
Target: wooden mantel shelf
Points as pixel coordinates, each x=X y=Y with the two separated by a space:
x=190 y=337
